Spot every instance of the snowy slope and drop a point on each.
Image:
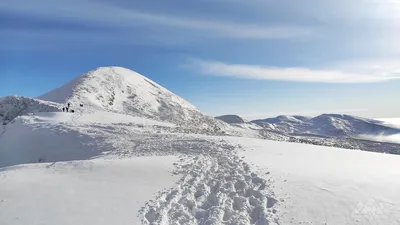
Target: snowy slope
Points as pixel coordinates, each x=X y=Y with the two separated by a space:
x=329 y=125
x=101 y=192
x=127 y=166
x=214 y=184
x=124 y=91
x=53 y=137
x=322 y=185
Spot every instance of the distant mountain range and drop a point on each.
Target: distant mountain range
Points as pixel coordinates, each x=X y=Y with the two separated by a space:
x=325 y=125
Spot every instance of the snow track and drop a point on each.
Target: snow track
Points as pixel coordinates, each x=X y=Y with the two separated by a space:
x=216 y=188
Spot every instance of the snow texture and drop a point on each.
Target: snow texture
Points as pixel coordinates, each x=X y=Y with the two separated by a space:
x=98 y=191
x=321 y=185
x=216 y=188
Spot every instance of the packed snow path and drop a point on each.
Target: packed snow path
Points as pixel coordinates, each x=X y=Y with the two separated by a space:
x=217 y=188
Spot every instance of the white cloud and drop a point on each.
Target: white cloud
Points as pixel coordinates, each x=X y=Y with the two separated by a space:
x=361 y=73
x=395 y=138
x=224 y=28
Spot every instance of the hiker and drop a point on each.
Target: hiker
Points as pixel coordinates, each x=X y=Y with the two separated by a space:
x=66 y=109
x=63 y=109
x=69 y=104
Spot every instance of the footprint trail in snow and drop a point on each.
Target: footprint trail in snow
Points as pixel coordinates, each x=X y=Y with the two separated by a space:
x=216 y=188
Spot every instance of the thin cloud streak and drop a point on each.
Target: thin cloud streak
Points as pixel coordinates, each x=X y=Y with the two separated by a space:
x=225 y=28
x=297 y=74
x=95 y=13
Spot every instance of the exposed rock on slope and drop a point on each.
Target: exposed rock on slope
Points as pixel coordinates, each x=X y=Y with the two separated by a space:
x=14 y=106
x=231 y=119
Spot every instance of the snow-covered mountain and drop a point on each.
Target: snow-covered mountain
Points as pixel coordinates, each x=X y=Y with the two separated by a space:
x=329 y=125
x=14 y=106
x=124 y=91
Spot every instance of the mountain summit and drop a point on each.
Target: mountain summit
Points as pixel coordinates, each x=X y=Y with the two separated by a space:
x=124 y=91
x=118 y=89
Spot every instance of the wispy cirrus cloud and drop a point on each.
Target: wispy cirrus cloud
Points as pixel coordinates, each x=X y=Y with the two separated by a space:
x=95 y=13
x=357 y=72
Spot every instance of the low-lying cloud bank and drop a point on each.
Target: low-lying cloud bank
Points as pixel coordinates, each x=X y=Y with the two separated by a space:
x=395 y=138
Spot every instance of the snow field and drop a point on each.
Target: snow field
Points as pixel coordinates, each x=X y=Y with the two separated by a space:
x=97 y=191
x=322 y=185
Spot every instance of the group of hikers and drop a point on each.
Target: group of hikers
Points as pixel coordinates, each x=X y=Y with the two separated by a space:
x=67 y=108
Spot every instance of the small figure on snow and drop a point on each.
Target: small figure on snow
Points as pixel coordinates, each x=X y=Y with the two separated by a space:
x=69 y=104
x=63 y=109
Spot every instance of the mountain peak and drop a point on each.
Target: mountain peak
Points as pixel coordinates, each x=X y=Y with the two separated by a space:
x=112 y=88
x=124 y=91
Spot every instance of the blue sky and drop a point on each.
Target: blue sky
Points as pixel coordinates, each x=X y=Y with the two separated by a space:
x=257 y=58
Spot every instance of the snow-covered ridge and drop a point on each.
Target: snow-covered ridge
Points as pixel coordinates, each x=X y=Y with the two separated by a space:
x=14 y=106
x=331 y=125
